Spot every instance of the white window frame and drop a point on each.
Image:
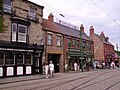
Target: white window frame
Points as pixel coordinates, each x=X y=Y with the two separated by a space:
x=22 y=34
x=14 y=33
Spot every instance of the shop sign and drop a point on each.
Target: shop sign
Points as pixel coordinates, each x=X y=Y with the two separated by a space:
x=10 y=49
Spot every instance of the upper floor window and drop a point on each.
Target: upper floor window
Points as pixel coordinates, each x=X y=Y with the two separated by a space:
x=7 y=6
x=69 y=42
x=77 y=43
x=32 y=13
x=73 y=42
x=84 y=44
x=49 y=39
x=58 y=40
x=19 y=33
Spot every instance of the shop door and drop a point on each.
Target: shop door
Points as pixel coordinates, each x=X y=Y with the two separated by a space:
x=55 y=59
x=38 y=63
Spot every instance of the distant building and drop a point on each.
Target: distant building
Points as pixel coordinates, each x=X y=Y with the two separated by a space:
x=21 y=47
x=62 y=44
x=103 y=49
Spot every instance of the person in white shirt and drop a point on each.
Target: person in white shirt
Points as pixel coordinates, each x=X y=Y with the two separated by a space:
x=46 y=70
x=75 y=66
x=112 y=65
x=51 y=66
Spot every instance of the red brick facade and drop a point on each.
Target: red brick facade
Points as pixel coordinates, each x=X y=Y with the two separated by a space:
x=103 y=49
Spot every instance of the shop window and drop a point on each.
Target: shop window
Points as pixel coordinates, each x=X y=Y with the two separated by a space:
x=58 y=40
x=1 y=58
x=19 y=58
x=28 y=58
x=9 y=58
x=49 y=39
x=19 y=33
x=7 y=6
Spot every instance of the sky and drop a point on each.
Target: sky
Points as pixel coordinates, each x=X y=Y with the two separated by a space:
x=103 y=15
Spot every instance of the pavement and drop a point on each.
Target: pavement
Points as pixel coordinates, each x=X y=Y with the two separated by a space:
x=31 y=77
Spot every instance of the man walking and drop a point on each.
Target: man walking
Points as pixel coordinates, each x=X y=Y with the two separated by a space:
x=51 y=66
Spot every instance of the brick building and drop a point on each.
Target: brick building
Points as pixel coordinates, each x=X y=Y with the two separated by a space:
x=103 y=49
x=21 y=34
x=68 y=40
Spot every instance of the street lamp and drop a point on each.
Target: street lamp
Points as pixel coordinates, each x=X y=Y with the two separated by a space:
x=81 y=51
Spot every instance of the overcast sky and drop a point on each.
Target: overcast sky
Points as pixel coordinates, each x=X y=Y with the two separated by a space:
x=103 y=15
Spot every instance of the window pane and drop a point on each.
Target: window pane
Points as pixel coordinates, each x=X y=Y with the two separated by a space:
x=1 y=58
x=22 y=29
x=22 y=33
x=19 y=58
x=28 y=58
x=9 y=58
x=32 y=11
x=69 y=42
x=58 y=40
x=14 y=27
x=49 y=41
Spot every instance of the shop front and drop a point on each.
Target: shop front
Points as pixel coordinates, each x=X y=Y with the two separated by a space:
x=74 y=55
x=18 y=60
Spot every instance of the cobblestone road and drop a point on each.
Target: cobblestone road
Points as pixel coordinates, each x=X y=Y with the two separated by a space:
x=108 y=79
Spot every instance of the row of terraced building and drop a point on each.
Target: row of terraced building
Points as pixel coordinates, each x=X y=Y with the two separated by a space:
x=27 y=41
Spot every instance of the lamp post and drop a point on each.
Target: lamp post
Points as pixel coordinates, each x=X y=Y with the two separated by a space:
x=81 y=51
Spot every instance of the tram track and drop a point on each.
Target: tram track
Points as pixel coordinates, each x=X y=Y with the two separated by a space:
x=56 y=84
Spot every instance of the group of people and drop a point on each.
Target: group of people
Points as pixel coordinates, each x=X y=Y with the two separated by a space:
x=49 y=68
x=103 y=65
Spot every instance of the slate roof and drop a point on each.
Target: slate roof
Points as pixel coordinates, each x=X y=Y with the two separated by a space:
x=103 y=40
x=56 y=27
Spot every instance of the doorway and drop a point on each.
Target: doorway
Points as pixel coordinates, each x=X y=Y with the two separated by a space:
x=55 y=59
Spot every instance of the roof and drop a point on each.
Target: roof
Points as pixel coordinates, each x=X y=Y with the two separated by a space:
x=56 y=27
x=103 y=40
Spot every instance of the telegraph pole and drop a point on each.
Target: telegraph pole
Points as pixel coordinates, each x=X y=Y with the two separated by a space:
x=81 y=51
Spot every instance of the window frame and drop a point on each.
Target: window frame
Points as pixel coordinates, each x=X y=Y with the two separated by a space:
x=59 y=40
x=49 y=40
x=22 y=34
x=15 y=34
x=32 y=15
x=69 y=42
x=7 y=8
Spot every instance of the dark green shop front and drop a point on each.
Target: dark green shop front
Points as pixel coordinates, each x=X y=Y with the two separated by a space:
x=74 y=55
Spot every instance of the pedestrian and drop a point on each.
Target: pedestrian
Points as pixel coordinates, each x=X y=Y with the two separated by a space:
x=66 y=67
x=51 y=66
x=46 y=69
x=75 y=66
x=112 y=65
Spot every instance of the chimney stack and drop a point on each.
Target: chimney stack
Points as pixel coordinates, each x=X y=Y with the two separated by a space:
x=82 y=28
x=91 y=31
x=50 y=17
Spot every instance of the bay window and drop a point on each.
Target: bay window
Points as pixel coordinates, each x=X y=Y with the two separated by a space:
x=19 y=33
